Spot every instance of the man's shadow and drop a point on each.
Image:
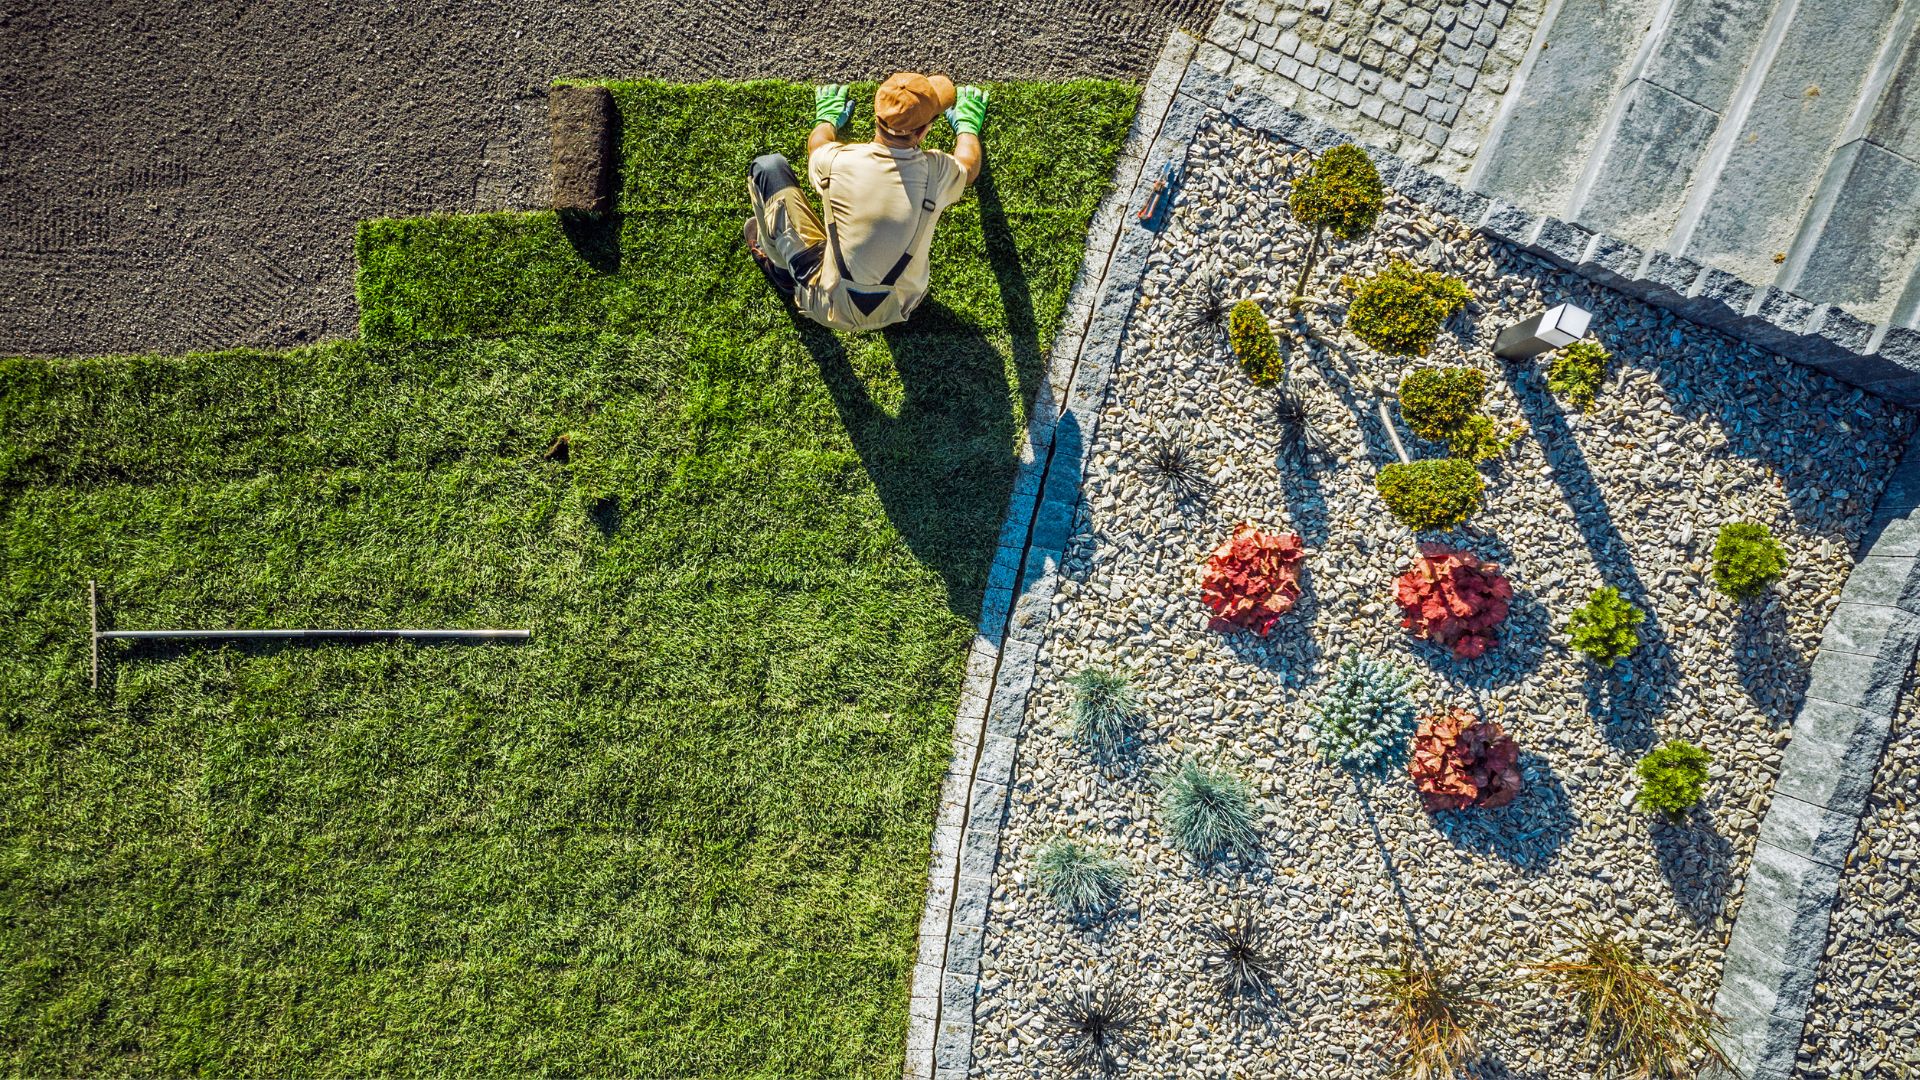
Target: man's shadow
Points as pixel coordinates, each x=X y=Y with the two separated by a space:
x=943 y=465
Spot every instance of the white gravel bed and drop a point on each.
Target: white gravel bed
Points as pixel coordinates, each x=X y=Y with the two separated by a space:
x=1691 y=430
x=1865 y=1017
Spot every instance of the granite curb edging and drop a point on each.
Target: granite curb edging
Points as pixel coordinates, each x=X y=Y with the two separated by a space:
x=1867 y=649
x=1020 y=583
x=1779 y=937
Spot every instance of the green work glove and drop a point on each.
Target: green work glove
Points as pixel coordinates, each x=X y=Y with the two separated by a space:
x=969 y=112
x=832 y=106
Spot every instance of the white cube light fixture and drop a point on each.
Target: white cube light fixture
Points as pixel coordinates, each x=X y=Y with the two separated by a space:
x=1551 y=329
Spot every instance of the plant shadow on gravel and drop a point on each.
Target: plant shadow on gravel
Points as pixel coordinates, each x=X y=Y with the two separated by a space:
x=1697 y=862
x=1528 y=832
x=1291 y=649
x=1622 y=699
x=1772 y=669
x=1674 y=365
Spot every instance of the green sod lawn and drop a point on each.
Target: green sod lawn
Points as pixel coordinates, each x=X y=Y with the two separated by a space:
x=684 y=830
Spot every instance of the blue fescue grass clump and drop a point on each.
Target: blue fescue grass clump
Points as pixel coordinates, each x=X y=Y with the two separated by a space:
x=1364 y=715
x=682 y=831
x=1105 y=707
x=1082 y=878
x=1209 y=812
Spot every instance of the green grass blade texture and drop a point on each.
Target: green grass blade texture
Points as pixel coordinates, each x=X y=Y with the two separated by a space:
x=684 y=830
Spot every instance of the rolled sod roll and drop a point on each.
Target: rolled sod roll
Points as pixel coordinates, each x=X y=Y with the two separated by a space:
x=581 y=119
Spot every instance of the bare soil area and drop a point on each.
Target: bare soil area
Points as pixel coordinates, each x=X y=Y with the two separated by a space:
x=185 y=174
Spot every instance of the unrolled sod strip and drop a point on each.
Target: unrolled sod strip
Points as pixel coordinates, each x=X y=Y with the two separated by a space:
x=93 y=604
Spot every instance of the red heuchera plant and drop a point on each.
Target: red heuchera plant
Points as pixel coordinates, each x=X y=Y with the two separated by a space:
x=1252 y=579
x=1453 y=598
x=1461 y=761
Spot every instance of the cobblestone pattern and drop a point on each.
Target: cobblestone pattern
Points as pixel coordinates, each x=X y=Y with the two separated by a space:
x=1422 y=79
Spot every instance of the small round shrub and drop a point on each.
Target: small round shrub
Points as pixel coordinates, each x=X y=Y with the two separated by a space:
x=1082 y=878
x=1603 y=630
x=1433 y=494
x=1672 y=779
x=1437 y=401
x=1104 y=706
x=1253 y=344
x=1209 y=811
x=1577 y=372
x=1363 y=716
x=1399 y=310
x=1480 y=439
x=1746 y=558
x=1341 y=192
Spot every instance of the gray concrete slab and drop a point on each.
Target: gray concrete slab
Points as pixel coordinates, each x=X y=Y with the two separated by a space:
x=1646 y=167
x=1539 y=154
x=1810 y=89
x=1861 y=243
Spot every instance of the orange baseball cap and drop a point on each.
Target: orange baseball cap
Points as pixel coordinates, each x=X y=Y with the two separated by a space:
x=909 y=100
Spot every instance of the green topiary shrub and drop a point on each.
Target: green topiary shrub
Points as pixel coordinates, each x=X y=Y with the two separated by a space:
x=1082 y=878
x=1341 y=192
x=1480 y=439
x=1209 y=811
x=1254 y=345
x=1104 y=706
x=1746 y=558
x=1399 y=310
x=1437 y=401
x=1577 y=372
x=1363 y=716
x=1604 y=629
x=1672 y=779
x=1434 y=494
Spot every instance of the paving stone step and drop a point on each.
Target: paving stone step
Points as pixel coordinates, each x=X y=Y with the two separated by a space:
x=1690 y=76
x=1859 y=245
x=1557 y=113
x=1751 y=195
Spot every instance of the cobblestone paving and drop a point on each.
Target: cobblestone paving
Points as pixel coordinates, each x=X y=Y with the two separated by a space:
x=1422 y=79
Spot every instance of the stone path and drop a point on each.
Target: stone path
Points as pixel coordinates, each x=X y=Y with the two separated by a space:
x=1421 y=79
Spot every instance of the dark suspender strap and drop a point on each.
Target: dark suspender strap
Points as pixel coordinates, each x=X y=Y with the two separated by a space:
x=839 y=260
x=899 y=268
x=927 y=206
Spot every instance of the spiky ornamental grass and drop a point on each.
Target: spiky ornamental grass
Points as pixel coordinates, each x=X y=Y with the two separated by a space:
x=1637 y=1024
x=1297 y=440
x=1204 y=307
x=1242 y=961
x=1173 y=464
x=1082 y=878
x=1095 y=1027
x=1105 y=706
x=1209 y=811
x=1364 y=715
x=1435 y=1010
